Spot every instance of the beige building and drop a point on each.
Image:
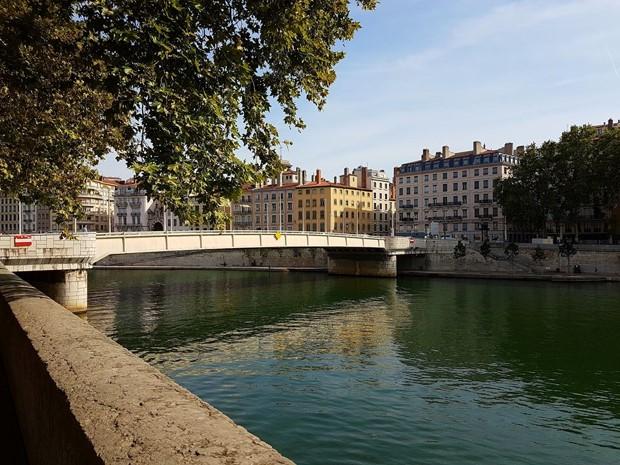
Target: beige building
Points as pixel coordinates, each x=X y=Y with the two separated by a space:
x=270 y=206
x=341 y=207
x=383 y=203
x=451 y=194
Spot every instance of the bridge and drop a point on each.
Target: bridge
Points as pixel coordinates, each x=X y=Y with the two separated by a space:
x=58 y=266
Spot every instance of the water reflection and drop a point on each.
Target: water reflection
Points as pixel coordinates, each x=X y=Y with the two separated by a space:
x=343 y=370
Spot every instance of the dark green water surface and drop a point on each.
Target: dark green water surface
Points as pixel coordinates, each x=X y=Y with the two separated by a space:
x=333 y=370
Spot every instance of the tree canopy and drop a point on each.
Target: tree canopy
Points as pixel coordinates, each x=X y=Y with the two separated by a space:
x=175 y=88
x=556 y=180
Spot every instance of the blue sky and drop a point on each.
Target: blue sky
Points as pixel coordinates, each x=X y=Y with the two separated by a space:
x=427 y=73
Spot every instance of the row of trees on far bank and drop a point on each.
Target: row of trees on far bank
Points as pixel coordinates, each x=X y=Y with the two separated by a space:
x=555 y=181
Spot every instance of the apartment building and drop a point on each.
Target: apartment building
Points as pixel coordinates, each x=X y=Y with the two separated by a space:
x=269 y=206
x=610 y=124
x=451 y=194
x=339 y=206
x=132 y=207
x=97 y=200
x=382 y=198
x=17 y=217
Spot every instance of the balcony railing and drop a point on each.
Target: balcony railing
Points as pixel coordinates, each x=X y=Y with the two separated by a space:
x=484 y=201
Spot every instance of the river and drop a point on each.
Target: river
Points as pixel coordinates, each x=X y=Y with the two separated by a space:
x=344 y=371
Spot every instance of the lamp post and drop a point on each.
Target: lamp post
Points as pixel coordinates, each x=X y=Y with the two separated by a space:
x=21 y=219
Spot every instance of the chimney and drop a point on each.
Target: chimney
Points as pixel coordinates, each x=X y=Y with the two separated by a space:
x=303 y=177
x=520 y=149
x=318 y=176
x=610 y=123
x=508 y=148
x=477 y=148
x=426 y=155
x=298 y=176
x=335 y=179
x=312 y=177
x=346 y=171
x=445 y=151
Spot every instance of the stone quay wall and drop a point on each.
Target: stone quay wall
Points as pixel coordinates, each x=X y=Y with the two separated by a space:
x=80 y=398
x=592 y=259
x=308 y=257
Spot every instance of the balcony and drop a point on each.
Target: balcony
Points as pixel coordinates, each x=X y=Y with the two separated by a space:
x=484 y=201
x=485 y=217
x=406 y=207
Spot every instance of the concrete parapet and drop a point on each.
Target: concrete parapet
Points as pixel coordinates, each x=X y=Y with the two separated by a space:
x=80 y=398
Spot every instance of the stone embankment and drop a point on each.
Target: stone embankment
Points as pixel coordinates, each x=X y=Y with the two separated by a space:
x=602 y=261
x=80 y=398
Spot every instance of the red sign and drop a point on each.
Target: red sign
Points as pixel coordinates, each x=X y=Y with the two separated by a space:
x=23 y=240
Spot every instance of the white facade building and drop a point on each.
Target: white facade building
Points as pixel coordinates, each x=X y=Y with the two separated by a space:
x=453 y=193
x=383 y=203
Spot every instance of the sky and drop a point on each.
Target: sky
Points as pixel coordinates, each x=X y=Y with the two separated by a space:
x=428 y=73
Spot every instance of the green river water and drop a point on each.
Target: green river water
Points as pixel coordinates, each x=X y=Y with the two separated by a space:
x=338 y=370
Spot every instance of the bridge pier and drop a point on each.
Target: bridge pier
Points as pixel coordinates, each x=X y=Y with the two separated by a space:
x=372 y=265
x=69 y=288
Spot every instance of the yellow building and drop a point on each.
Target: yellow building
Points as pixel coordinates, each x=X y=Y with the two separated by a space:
x=333 y=206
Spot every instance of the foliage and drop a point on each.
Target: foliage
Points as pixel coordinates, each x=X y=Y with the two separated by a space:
x=485 y=248
x=539 y=254
x=176 y=89
x=511 y=251
x=54 y=125
x=555 y=180
x=459 y=250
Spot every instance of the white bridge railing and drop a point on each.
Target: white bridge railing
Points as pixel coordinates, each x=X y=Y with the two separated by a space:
x=160 y=241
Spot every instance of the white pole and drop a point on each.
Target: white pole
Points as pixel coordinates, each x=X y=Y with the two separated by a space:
x=165 y=222
x=109 y=218
x=21 y=219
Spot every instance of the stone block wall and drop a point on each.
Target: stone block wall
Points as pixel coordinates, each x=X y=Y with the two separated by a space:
x=301 y=257
x=68 y=288
x=604 y=260
x=48 y=252
x=80 y=398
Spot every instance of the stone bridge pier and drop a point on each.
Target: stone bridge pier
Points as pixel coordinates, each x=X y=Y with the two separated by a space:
x=379 y=263
x=69 y=288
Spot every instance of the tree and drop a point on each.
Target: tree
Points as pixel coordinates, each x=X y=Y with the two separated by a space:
x=511 y=251
x=54 y=124
x=176 y=89
x=459 y=250
x=525 y=196
x=539 y=254
x=485 y=248
x=567 y=250
x=557 y=180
